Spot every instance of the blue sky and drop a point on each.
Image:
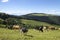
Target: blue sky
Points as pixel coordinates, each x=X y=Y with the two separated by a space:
x=21 y=7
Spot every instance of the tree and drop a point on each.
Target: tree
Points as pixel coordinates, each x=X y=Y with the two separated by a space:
x=11 y=21
x=1 y=21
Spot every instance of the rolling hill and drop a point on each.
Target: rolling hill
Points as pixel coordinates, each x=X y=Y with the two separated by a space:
x=30 y=20
x=52 y=19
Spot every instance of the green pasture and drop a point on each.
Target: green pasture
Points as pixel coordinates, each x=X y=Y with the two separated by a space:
x=7 y=34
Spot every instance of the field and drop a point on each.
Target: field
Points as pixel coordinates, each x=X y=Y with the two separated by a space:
x=34 y=23
x=6 y=34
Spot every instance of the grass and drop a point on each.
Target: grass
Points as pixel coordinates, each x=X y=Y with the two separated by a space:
x=42 y=14
x=32 y=22
x=6 y=34
x=37 y=23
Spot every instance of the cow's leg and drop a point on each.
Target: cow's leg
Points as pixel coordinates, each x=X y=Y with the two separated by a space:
x=41 y=30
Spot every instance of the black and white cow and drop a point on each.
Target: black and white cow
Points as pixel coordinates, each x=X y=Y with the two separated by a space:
x=40 y=28
x=24 y=29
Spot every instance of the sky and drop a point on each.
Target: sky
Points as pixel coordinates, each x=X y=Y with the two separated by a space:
x=21 y=7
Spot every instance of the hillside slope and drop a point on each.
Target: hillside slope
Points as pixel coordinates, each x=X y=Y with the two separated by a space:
x=52 y=19
x=31 y=20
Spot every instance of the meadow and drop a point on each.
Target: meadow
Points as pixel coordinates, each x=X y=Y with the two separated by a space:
x=7 y=34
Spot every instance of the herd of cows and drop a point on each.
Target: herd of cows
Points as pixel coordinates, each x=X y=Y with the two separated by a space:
x=40 y=28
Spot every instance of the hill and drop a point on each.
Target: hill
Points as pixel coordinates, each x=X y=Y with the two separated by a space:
x=30 y=20
x=52 y=19
x=6 y=19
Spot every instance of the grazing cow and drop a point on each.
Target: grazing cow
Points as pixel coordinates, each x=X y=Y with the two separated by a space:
x=47 y=28
x=24 y=30
x=40 y=28
x=15 y=27
x=58 y=28
x=51 y=28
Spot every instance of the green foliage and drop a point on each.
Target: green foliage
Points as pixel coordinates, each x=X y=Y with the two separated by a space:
x=2 y=26
x=1 y=21
x=33 y=23
x=11 y=21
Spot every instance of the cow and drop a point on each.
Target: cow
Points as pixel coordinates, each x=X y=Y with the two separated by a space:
x=58 y=28
x=24 y=29
x=40 y=28
x=15 y=27
x=51 y=28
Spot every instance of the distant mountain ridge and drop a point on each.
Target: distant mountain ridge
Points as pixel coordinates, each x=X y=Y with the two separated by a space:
x=49 y=18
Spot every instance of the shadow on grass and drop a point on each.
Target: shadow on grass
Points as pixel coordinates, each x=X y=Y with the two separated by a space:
x=28 y=35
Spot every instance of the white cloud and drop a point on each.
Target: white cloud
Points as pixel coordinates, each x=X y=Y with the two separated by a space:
x=23 y=12
x=18 y=12
x=54 y=12
x=4 y=0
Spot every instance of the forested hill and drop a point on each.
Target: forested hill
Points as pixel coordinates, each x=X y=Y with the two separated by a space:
x=42 y=17
x=5 y=16
x=49 y=18
x=6 y=19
